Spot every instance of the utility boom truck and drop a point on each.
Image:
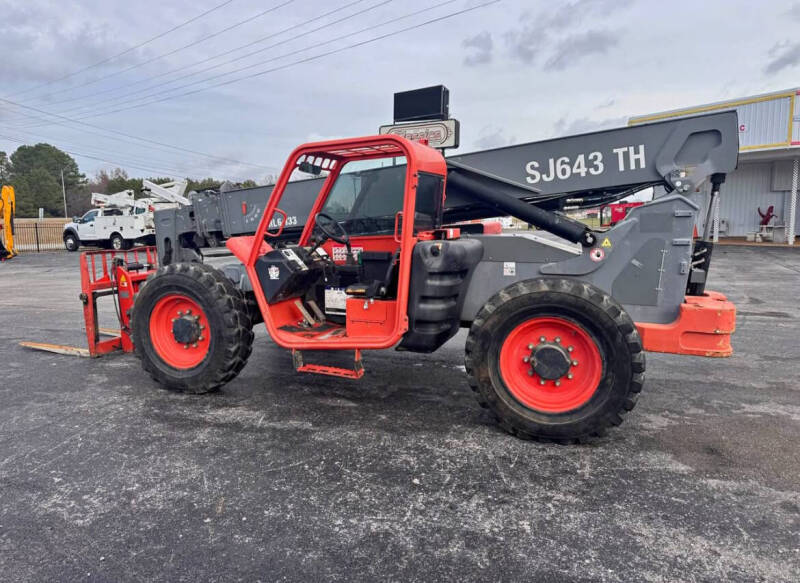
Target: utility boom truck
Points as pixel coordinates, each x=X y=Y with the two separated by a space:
x=120 y=220
x=558 y=325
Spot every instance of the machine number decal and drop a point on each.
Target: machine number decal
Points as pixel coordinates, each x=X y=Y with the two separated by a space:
x=274 y=272
x=591 y=164
x=509 y=268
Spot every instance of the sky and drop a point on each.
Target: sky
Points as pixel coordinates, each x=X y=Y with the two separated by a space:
x=227 y=88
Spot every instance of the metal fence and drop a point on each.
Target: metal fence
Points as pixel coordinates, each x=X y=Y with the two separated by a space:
x=37 y=237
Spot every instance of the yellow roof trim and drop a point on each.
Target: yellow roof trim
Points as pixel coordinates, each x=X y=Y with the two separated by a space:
x=713 y=107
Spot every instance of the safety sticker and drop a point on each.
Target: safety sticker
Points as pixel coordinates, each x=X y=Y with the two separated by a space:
x=597 y=254
x=274 y=272
x=335 y=300
x=606 y=243
x=509 y=268
x=123 y=282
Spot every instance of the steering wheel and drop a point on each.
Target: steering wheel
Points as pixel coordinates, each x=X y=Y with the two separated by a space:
x=332 y=228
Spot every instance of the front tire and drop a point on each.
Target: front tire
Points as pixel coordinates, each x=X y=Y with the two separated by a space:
x=71 y=242
x=191 y=329
x=555 y=359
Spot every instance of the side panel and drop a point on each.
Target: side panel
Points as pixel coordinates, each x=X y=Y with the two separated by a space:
x=643 y=262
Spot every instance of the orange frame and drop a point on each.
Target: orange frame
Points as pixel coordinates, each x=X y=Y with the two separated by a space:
x=419 y=158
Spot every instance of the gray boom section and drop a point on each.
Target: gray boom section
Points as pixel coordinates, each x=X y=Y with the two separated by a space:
x=617 y=158
x=643 y=262
x=679 y=154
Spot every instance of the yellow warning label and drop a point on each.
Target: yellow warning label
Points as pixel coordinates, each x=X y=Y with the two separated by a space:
x=123 y=282
x=606 y=243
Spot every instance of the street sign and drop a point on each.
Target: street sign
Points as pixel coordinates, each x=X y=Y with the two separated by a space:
x=440 y=134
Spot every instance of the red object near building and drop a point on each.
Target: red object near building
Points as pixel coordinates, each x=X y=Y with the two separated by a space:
x=611 y=214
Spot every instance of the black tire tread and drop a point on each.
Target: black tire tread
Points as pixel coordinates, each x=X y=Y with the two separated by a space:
x=237 y=332
x=585 y=291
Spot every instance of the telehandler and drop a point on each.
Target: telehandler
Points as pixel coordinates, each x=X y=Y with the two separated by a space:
x=558 y=325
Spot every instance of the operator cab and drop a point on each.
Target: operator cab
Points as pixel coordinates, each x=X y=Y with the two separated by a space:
x=345 y=283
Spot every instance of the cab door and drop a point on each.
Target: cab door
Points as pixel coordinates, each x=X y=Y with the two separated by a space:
x=87 y=228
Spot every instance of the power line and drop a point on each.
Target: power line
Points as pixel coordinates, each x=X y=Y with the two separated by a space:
x=117 y=132
x=176 y=168
x=300 y=61
x=217 y=56
x=184 y=47
x=125 y=52
x=73 y=153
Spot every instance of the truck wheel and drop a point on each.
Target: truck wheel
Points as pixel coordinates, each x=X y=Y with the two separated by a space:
x=71 y=242
x=555 y=360
x=191 y=329
x=118 y=243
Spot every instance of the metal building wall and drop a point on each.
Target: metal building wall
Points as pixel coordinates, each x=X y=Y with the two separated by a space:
x=745 y=190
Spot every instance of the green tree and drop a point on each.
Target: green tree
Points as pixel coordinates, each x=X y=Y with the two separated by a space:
x=35 y=172
x=5 y=168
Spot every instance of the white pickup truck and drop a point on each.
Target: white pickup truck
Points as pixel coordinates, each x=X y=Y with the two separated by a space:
x=121 y=220
x=115 y=228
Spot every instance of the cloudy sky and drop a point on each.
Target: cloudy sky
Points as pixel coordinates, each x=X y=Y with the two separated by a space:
x=228 y=88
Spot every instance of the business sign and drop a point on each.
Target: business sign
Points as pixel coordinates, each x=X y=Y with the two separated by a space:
x=439 y=134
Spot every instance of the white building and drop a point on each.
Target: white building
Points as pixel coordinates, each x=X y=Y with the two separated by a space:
x=769 y=161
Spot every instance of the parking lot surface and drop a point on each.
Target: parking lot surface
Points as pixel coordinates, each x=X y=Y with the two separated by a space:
x=400 y=476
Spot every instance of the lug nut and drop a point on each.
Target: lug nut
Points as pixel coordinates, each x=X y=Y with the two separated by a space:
x=570 y=348
x=541 y=382
x=173 y=319
x=525 y=359
x=542 y=339
x=180 y=313
x=202 y=327
x=569 y=376
x=558 y=339
x=558 y=383
x=201 y=338
x=530 y=346
x=574 y=363
x=188 y=312
x=530 y=372
x=194 y=345
x=185 y=346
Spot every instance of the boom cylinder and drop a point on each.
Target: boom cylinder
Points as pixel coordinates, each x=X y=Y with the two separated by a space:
x=551 y=222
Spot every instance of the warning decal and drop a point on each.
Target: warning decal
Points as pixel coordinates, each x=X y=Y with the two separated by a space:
x=606 y=243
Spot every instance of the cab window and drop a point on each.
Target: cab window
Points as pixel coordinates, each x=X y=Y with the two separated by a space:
x=90 y=216
x=366 y=197
x=429 y=202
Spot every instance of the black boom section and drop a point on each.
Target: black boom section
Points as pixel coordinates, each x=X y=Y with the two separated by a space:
x=439 y=272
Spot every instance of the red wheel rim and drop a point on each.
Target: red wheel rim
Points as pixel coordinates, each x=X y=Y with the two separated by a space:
x=181 y=355
x=570 y=391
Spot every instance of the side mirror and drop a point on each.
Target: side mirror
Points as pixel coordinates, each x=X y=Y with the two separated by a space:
x=76 y=219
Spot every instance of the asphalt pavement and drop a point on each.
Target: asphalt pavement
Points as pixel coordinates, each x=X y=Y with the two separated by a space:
x=400 y=476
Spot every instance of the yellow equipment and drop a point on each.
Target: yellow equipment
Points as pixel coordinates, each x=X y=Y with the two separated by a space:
x=8 y=210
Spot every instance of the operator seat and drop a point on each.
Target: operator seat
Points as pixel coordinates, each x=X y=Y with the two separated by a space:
x=378 y=275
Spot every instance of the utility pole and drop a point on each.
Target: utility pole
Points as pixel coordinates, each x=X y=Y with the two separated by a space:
x=64 y=194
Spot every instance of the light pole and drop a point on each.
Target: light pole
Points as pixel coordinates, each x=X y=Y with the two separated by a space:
x=64 y=194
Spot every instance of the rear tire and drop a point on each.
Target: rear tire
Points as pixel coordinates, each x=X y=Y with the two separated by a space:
x=573 y=385
x=118 y=243
x=215 y=337
x=71 y=242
